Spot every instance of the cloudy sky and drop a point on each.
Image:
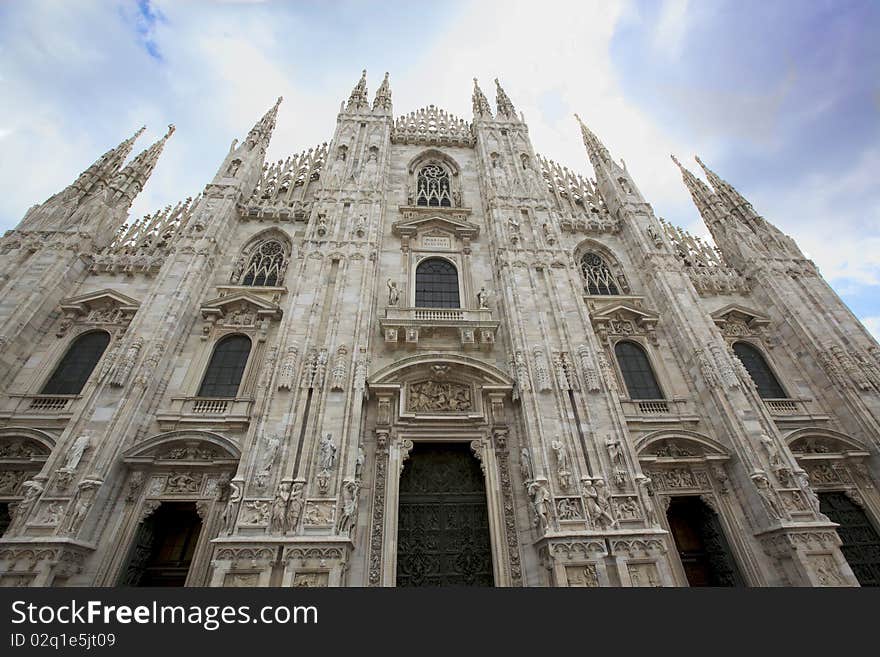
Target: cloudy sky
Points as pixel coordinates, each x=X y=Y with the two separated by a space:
x=781 y=98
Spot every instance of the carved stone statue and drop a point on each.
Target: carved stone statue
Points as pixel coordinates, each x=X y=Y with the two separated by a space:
x=359 y=464
x=813 y=499
x=767 y=496
x=525 y=465
x=75 y=454
x=294 y=508
x=348 y=515
x=230 y=513
x=393 y=293
x=327 y=453
x=483 y=299
x=82 y=502
x=597 y=502
x=540 y=504
x=278 y=515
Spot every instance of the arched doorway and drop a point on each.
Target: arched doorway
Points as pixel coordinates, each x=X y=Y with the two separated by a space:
x=164 y=546
x=702 y=547
x=443 y=521
x=860 y=542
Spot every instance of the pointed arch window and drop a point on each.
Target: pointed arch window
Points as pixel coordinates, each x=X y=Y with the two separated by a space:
x=437 y=284
x=266 y=266
x=77 y=365
x=767 y=384
x=223 y=376
x=637 y=372
x=598 y=278
x=433 y=187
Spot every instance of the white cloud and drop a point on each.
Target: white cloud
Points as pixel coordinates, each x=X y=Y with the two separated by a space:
x=873 y=325
x=672 y=26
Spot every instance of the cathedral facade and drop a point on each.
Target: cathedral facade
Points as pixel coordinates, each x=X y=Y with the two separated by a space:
x=422 y=354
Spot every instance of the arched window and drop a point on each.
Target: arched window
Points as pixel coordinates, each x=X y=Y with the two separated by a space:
x=433 y=188
x=597 y=274
x=266 y=265
x=636 y=369
x=765 y=381
x=437 y=284
x=224 y=372
x=77 y=365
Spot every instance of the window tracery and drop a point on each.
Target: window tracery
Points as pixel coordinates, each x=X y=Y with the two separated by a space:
x=598 y=277
x=433 y=187
x=264 y=268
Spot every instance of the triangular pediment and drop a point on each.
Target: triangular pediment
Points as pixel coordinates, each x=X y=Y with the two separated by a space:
x=624 y=310
x=412 y=226
x=737 y=312
x=83 y=303
x=238 y=302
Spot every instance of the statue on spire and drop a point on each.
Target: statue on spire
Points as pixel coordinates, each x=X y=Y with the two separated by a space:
x=505 y=107
x=481 y=105
x=261 y=133
x=383 y=96
x=358 y=97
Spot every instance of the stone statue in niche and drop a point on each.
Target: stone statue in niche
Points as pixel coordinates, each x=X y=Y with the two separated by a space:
x=393 y=293
x=75 y=454
x=430 y=396
x=525 y=465
x=32 y=491
x=233 y=168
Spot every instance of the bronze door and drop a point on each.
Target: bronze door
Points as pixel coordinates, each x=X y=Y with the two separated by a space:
x=702 y=546
x=860 y=542
x=443 y=522
x=163 y=547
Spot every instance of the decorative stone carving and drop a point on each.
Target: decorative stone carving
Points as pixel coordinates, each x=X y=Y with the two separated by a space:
x=256 y=512
x=74 y=455
x=340 y=369
x=288 y=368
x=136 y=481
x=184 y=482
x=438 y=396
x=278 y=514
x=320 y=512
x=127 y=363
x=294 y=508
x=569 y=508
x=582 y=576
x=526 y=468
x=542 y=374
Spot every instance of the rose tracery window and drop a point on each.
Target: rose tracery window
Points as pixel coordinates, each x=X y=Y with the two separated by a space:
x=433 y=187
x=266 y=266
x=597 y=275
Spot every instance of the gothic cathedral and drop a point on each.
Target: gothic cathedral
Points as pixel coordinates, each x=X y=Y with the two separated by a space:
x=422 y=354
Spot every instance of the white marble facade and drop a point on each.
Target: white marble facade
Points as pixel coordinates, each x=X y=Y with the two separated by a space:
x=295 y=476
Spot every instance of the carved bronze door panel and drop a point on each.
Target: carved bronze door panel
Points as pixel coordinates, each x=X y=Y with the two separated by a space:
x=443 y=522
x=860 y=542
x=702 y=546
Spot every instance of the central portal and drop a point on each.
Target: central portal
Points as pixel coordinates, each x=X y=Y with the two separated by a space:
x=443 y=522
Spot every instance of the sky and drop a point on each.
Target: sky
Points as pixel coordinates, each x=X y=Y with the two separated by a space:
x=781 y=98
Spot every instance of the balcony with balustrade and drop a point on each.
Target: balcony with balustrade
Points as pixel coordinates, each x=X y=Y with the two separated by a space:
x=658 y=411
x=475 y=329
x=228 y=412
x=50 y=411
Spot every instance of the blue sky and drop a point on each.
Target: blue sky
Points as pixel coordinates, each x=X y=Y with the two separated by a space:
x=781 y=98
